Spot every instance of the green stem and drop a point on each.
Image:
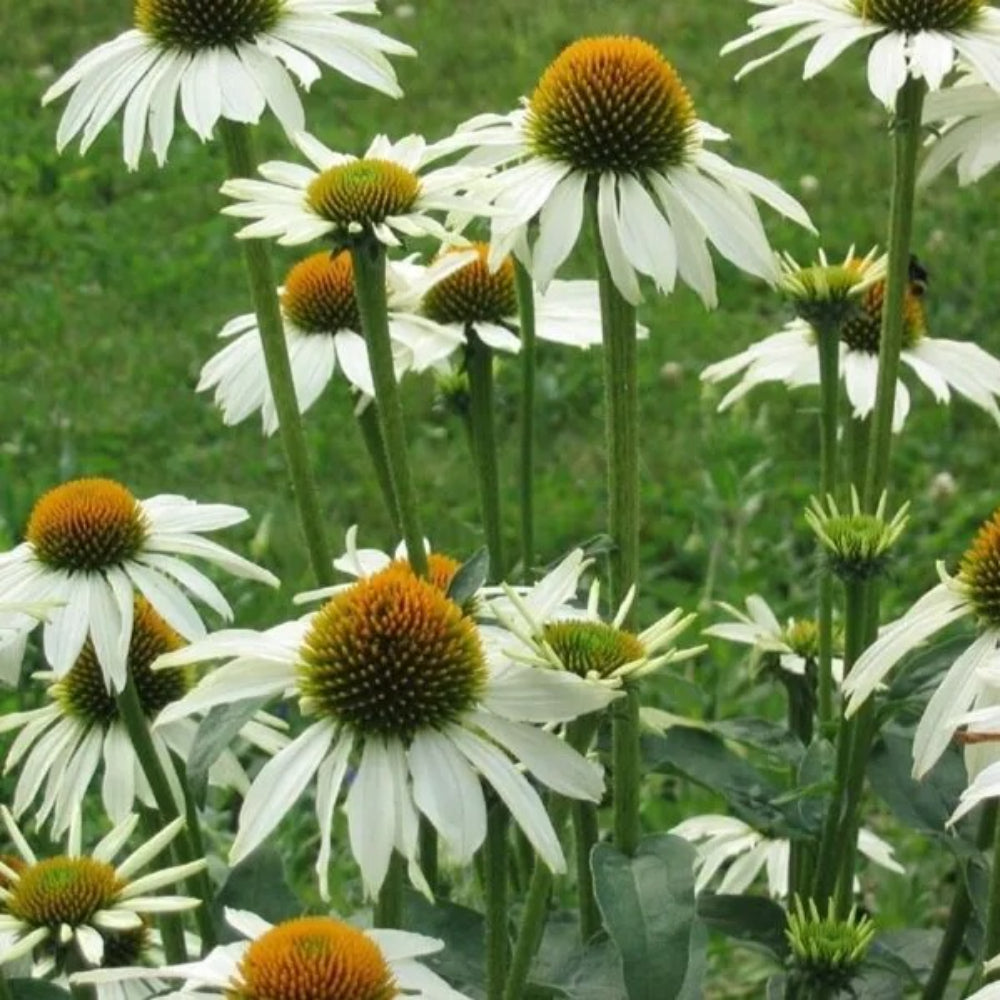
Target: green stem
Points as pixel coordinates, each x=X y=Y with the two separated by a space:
x=371 y=434
x=586 y=833
x=5 y=991
x=827 y=865
x=526 y=311
x=991 y=941
x=958 y=916
x=858 y=441
x=800 y=725
x=368 y=256
x=171 y=924
x=199 y=885
x=907 y=133
x=828 y=344
x=479 y=367
x=389 y=905
x=238 y=144
x=429 y=854
x=621 y=396
x=497 y=940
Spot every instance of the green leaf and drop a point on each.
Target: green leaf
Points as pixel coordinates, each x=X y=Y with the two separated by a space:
x=774 y=740
x=565 y=968
x=215 y=732
x=257 y=884
x=924 y=804
x=470 y=576
x=463 y=932
x=647 y=902
x=36 y=989
x=753 y=920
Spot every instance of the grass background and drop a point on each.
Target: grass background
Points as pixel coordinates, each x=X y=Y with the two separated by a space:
x=114 y=286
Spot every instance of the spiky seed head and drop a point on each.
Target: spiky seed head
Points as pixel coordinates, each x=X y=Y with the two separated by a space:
x=318 y=295
x=862 y=329
x=195 y=25
x=826 y=952
x=592 y=649
x=62 y=890
x=980 y=572
x=474 y=293
x=921 y=15
x=363 y=193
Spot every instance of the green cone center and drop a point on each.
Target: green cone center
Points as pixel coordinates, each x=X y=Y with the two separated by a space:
x=363 y=193
x=592 y=648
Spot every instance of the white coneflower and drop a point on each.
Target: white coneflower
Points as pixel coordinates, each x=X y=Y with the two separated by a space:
x=17 y=619
x=967 y=119
x=83 y=901
x=790 y=356
x=387 y=193
x=323 y=331
x=91 y=546
x=612 y=115
x=909 y=39
x=61 y=745
x=302 y=959
x=223 y=59
x=725 y=839
x=394 y=675
x=972 y=591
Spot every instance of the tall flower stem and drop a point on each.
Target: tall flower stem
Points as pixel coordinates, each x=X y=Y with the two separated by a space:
x=991 y=940
x=242 y=162
x=371 y=434
x=389 y=905
x=368 y=257
x=907 y=133
x=479 y=367
x=958 y=916
x=828 y=345
x=526 y=310
x=586 y=832
x=171 y=924
x=621 y=400
x=495 y=871
x=137 y=727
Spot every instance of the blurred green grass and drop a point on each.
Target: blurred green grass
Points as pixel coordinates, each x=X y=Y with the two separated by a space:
x=115 y=285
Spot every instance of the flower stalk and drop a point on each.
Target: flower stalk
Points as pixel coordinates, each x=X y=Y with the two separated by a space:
x=529 y=351
x=371 y=434
x=237 y=140
x=389 y=905
x=368 y=256
x=495 y=862
x=198 y=885
x=479 y=367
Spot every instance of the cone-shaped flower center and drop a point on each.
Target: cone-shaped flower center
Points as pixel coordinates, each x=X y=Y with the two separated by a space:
x=611 y=104
x=980 y=572
x=592 y=648
x=86 y=525
x=475 y=293
x=921 y=15
x=63 y=890
x=392 y=655
x=313 y=958
x=204 y=24
x=862 y=331
x=82 y=692
x=363 y=192
x=802 y=638
x=319 y=294
x=16 y=865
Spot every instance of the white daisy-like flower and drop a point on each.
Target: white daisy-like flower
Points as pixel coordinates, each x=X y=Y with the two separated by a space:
x=483 y=299
x=91 y=546
x=545 y=629
x=223 y=59
x=790 y=356
x=909 y=39
x=794 y=644
x=323 y=330
x=611 y=115
x=17 y=619
x=725 y=840
x=304 y=957
x=969 y=680
x=394 y=675
x=388 y=193
x=967 y=120
x=83 y=903
x=61 y=746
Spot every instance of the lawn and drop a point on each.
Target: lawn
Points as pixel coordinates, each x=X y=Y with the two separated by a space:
x=115 y=286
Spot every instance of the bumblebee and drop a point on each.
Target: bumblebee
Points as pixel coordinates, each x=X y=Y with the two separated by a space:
x=919 y=277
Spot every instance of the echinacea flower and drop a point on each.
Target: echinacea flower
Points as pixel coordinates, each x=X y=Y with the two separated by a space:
x=61 y=745
x=394 y=675
x=909 y=39
x=548 y=632
x=726 y=840
x=323 y=330
x=91 y=546
x=307 y=957
x=387 y=193
x=81 y=903
x=794 y=645
x=790 y=356
x=224 y=60
x=973 y=591
x=612 y=117
x=17 y=619
x=966 y=118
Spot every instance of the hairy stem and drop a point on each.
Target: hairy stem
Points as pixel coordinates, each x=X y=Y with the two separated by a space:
x=497 y=940
x=526 y=310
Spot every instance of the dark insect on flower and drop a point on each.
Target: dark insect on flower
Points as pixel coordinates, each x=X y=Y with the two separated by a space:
x=919 y=276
